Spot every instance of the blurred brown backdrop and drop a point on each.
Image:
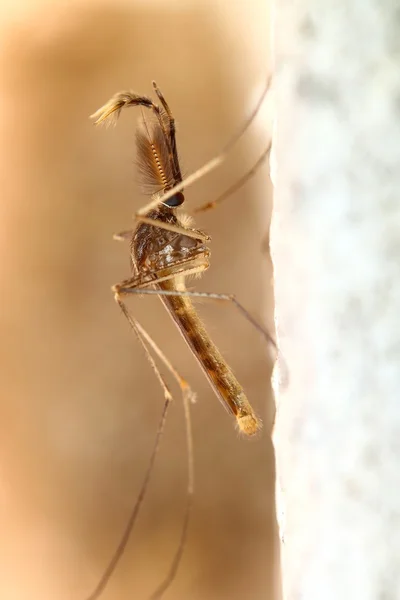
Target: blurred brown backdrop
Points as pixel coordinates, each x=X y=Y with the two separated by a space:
x=79 y=403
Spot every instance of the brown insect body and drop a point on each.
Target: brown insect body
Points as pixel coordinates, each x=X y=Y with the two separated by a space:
x=167 y=254
x=166 y=257
x=223 y=381
x=165 y=249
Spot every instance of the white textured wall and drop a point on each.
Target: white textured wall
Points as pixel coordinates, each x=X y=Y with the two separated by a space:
x=336 y=250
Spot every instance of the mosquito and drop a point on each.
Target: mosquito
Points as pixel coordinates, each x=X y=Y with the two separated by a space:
x=165 y=250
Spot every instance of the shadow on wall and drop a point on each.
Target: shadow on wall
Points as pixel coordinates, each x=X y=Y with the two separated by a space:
x=80 y=404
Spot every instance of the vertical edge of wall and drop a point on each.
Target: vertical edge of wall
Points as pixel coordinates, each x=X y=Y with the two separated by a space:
x=335 y=243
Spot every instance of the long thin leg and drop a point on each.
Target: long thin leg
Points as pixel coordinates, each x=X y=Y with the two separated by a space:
x=154 y=277
x=284 y=370
x=187 y=394
x=237 y=185
x=193 y=233
x=134 y=324
x=125 y=288
x=132 y=519
x=120 y=549
x=163 y=587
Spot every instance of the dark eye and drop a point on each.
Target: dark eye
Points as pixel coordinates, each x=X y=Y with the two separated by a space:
x=175 y=200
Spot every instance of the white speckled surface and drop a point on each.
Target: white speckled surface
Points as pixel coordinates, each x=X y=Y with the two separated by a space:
x=335 y=241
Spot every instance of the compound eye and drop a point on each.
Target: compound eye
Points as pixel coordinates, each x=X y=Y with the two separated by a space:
x=175 y=200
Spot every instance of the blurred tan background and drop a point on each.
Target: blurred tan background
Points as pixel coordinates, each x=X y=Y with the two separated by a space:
x=80 y=405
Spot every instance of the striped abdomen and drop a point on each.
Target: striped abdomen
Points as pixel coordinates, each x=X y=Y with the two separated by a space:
x=220 y=376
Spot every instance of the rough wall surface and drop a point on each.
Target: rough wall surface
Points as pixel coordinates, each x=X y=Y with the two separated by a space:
x=336 y=251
